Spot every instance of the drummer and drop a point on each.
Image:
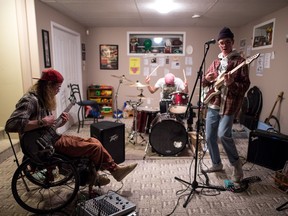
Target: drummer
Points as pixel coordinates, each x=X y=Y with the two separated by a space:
x=168 y=84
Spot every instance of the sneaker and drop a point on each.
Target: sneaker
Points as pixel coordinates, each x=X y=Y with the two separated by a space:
x=237 y=175
x=101 y=180
x=214 y=168
x=122 y=171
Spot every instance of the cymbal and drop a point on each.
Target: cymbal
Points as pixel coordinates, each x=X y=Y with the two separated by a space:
x=141 y=96
x=134 y=103
x=138 y=85
x=121 y=77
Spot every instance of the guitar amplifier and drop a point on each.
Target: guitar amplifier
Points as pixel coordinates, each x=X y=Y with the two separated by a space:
x=112 y=136
x=268 y=149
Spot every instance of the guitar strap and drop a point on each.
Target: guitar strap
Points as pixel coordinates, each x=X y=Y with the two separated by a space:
x=50 y=133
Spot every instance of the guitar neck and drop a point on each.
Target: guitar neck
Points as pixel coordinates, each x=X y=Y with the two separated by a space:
x=59 y=119
x=221 y=80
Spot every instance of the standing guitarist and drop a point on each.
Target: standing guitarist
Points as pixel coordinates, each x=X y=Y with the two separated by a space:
x=34 y=112
x=223 y=107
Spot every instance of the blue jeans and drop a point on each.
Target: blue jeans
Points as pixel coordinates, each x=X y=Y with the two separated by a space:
x=220 y=126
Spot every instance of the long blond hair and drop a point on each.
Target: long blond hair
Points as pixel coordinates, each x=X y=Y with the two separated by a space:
x=44 y=91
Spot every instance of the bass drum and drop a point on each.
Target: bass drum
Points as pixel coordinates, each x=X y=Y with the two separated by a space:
x=168 y=135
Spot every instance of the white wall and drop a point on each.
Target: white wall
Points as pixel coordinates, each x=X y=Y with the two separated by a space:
x=273 y=79
x=10 y=62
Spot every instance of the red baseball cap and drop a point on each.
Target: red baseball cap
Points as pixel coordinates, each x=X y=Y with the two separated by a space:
x=51 y=75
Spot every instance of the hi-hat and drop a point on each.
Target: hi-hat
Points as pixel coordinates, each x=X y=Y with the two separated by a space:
x=138 y=85
x=121 y=77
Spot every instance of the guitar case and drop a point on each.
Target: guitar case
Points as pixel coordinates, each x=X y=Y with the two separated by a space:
x=268 y=149
x=251 y=108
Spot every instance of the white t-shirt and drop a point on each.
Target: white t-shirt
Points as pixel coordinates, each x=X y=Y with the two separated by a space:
x=165 y=90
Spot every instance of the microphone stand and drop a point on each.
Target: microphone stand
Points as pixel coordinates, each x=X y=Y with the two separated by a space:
x=195 y=184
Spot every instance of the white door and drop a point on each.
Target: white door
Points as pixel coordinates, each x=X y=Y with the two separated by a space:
x=67 y=60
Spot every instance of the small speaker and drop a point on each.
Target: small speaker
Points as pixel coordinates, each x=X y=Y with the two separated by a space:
x=267 y=149
x=112 y=136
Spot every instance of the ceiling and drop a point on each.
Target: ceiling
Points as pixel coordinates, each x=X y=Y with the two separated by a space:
x=140 y=13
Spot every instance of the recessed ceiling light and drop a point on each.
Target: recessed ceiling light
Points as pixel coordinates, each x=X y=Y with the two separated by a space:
x=164 y=6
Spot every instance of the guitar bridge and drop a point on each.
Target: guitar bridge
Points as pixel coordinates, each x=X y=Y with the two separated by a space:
x=46 y=146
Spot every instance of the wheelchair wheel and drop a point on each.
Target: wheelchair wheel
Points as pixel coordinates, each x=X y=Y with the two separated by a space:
x=45 y=188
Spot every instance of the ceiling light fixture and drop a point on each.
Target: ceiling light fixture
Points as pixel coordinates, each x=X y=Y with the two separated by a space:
x=164 y=6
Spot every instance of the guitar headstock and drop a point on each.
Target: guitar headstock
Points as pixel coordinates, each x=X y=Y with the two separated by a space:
x=252 y=58
x=280 y=96
x=72 y=99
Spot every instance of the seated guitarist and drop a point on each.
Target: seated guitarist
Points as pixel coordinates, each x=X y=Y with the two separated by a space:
x=34 y=110
x=223 y=107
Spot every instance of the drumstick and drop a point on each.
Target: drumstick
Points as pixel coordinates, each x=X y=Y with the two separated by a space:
x=153 y=70
x=184 y=75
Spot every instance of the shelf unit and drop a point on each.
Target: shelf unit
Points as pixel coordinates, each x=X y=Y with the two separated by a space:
x=158 y=43
x=103 y=95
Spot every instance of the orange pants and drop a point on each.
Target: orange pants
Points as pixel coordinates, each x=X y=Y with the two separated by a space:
x=91 y=148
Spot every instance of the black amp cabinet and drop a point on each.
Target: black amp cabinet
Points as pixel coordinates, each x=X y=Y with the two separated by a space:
x=268 y=149
x=112 y=136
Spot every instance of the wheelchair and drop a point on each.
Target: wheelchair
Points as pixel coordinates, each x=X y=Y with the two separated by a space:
x=50 y=184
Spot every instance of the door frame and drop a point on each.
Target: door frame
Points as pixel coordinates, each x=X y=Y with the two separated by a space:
x=63 y=95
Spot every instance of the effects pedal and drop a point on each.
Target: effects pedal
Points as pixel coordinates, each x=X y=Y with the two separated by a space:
x=110 y=204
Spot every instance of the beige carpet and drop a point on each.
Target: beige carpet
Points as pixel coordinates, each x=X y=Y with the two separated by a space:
x=156 y=192
x=153 y=188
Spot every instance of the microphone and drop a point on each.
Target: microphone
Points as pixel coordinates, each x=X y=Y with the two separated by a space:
x=212 y=41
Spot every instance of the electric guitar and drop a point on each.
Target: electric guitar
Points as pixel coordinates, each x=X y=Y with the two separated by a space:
x=38 y=143
x=219 y=82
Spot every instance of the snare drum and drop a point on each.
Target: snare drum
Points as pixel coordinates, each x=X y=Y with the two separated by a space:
x=179 y=102
x=167 y=135
x=145 y=117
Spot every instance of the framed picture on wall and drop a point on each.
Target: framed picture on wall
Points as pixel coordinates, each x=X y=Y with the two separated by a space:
x=108 y=57
x=46 y=48
x=263 y=35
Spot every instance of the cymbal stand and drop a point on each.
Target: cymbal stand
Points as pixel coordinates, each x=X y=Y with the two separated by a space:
x=194 y=185
x=134 y=131
x=116 y=98
x=141 y=93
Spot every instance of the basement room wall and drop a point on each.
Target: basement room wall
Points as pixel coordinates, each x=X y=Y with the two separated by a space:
x=118 y=36
x=272 y=80
x=10 y=74
x=45 y=15
x=271 y=83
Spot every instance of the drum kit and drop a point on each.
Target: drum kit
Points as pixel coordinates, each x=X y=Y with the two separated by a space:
x=167 y=132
